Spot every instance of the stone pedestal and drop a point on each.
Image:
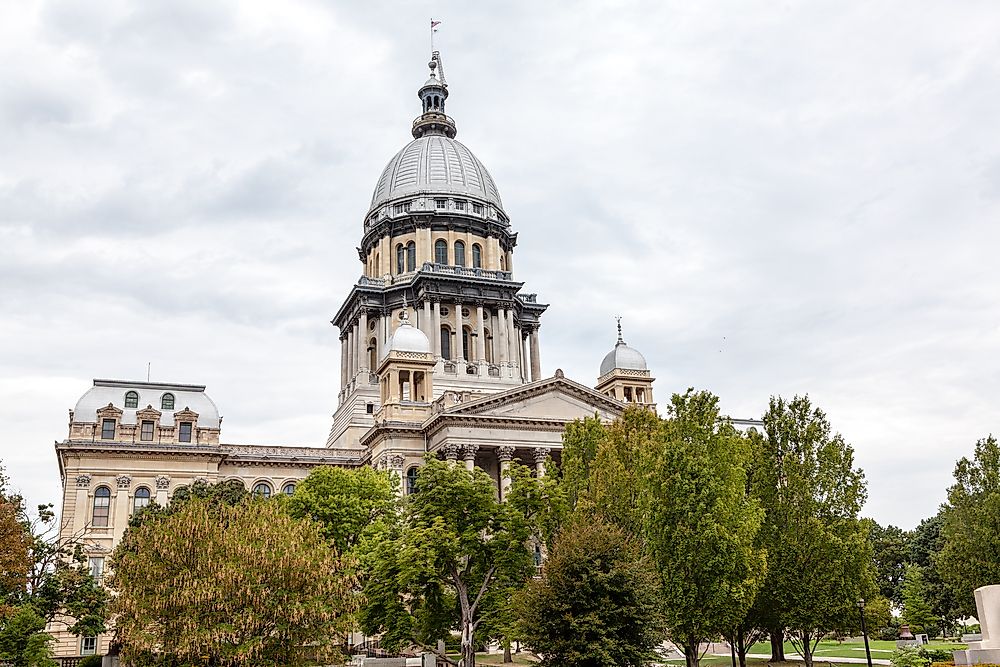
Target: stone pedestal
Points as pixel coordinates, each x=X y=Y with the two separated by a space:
x=987 y=650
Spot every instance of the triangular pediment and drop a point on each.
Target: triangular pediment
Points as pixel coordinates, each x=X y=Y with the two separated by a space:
x=554 y=398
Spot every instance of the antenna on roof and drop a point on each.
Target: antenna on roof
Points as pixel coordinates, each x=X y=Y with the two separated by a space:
x=148 y=367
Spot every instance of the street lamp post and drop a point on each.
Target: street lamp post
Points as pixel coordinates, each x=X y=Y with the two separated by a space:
x=864 y=631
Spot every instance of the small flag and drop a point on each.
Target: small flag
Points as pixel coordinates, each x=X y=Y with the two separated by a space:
x=434 y=25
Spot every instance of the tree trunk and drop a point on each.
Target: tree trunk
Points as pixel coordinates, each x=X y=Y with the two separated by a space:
x=777 y=645
x=807 y=649
x=741 y=647
x=506 y=651
x=691 y=653
x=468 y=657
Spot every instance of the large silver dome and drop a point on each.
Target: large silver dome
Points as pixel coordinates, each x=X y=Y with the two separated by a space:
x=435 y=164
x=623 y=357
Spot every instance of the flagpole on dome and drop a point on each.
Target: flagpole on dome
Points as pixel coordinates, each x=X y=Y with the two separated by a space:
x=434 y=25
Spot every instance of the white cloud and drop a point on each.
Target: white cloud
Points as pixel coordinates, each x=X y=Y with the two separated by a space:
x=778 y=198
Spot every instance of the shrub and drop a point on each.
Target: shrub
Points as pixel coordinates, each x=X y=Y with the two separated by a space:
x=937 y=655
x=91 y=661
x=909 y=657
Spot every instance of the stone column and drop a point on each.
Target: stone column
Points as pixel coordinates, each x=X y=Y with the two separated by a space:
x=343 y=361
x=426 y=321
x=540 y=454
x=435 y=336
x=81 y=516
x=524 y=356
x=480 y=335
x=512 y=335
x=505 y=454
x=352 y=347
x=119 y=519
x=162 y=485
x=450 y=452
x=395 y=463
x=363 y=347
x=469 y=456
x=536 y=363
x=459 y=354
x=501 y=332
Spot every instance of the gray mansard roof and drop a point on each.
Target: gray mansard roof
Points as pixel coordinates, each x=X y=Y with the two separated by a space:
x=150 y=393
x=435 y=164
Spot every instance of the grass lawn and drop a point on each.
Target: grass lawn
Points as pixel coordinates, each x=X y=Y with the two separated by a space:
x=853 y=649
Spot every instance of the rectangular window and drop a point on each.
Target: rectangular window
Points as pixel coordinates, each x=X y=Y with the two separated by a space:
x=184 y=432
x=459 y=205
x=477 y=209
x=108 y=429
x=88 y=645
x=146 y=435
x=440 y=203
x=96 y=567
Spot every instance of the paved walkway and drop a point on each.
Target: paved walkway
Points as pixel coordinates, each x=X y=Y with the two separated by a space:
x=816 y=658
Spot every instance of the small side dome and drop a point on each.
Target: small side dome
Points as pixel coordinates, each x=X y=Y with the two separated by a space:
x=622 y=357
x=407 y=338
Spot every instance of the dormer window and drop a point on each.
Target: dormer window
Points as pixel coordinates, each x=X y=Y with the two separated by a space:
x=404 y=207
x=184 y=430
x=477 y=209
x=167 y=402
x=131 y=399
x=107 y=429
x=440 y=203
x=459 y=205
x=146 y=434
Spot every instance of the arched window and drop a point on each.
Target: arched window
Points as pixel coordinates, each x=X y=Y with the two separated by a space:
x=372 y=356
x=411 y=256
x=503 y=263
x=459 y=253
x=445 y=343
x=465 y=343
x=167 y=402
x=102 y=507
x=141 y=498
x=400 y=258
x=288 y=489
x=489 y=345
x=131 y=399
x=262 y=490
x=411 y=480
x=441 y=251
x=477 y=256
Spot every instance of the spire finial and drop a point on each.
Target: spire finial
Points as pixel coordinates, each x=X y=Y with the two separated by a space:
x=619 y=320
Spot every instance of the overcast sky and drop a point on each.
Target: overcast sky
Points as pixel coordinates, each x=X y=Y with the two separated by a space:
x=778 y=198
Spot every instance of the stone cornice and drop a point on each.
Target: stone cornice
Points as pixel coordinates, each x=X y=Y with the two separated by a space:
x=535 y=389
x=243 y=454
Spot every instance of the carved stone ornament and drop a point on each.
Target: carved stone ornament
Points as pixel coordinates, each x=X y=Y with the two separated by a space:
x=541 y=453
x=505 y=453
x=396 y=461
x=162 y=482
x=469 y=452
x=83 y=480
x=124 y=481
x=450 y=451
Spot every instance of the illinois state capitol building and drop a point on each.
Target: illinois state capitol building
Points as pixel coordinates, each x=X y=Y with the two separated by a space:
x=439 y=352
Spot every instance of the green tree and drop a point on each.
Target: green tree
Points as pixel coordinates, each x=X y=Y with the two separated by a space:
x=456 y=548
x=47 y=577
x=917 y=610
x=926 y=543
x=970 y=555
x=354 y=507
x=891 y=552
x=210 y=583
x=701 y=525
x=819 y=555
x=580 y=441
x=598 y=602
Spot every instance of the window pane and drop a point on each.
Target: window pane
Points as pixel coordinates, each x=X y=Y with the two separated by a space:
x=288 y=489
x=141 y=499
x=441 y=252
x=146 y=435
x=131 y=399
x=88 y=646
x=477 y=256
x=411 y=256
x=102 y=507
x=108 y=429
x=262 y=489
x=96 y=564
x=445 y=342
x=459 y=253
x=400 y=258
x=411 y=480
x=184 y=432
x=167 y=402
